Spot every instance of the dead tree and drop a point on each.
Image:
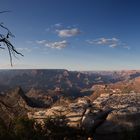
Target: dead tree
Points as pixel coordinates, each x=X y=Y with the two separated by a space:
x=5 y=42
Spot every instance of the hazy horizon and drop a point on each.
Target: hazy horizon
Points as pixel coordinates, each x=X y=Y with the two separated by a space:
x=103 y=70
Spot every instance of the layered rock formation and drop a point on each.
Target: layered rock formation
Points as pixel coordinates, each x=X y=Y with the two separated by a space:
x=125 y=114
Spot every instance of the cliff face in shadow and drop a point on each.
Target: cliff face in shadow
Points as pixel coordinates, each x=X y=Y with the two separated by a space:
x=12 y=104
x=15 y=103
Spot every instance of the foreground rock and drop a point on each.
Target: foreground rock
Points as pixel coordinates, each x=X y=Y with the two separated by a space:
x=108 y=116
x=125 y=115
x=80 y=113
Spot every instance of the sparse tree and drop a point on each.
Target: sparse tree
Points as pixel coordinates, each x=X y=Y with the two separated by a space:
x=5 y=42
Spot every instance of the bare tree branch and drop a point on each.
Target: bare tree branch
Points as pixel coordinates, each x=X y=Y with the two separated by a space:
x=4 y=40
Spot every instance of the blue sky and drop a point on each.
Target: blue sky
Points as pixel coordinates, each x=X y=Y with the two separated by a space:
x=73 y=34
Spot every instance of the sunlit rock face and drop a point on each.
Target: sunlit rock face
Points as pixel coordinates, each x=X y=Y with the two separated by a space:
x=125 y=114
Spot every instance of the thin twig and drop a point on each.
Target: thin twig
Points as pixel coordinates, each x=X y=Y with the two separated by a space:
x=4 y=40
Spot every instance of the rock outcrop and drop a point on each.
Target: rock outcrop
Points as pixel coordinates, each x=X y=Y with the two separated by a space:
x=80 y=114
x=125 y=114
x=15 y=103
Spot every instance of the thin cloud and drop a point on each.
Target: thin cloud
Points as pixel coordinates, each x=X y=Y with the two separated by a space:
x=68 y=32
x=57 y=25
x=57 y=45
x=127 y=47
x=63 y=31
x=110 y=42
x=24 y=49
x=54 y=27
x=41 y=41
x=54 y=45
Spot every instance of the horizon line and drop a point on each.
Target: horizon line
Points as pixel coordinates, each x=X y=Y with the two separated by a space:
x=100 y=70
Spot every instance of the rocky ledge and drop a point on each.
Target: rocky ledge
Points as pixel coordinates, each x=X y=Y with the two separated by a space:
x=125 y=115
